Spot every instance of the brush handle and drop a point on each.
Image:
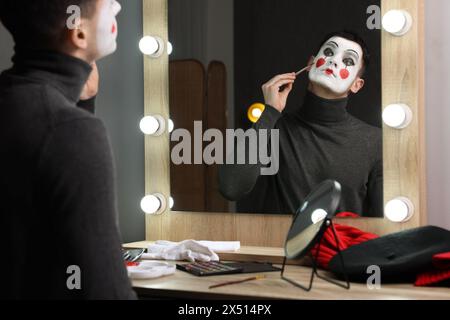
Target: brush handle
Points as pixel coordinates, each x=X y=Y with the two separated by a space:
x=297 y=74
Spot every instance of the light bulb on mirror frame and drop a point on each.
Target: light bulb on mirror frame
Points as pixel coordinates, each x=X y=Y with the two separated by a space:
x=169 y=48
x=151 y=46
x=153 y=204
x=153 y=125
x=397 y=22
x=400 y=209
x=171 y=202
x=170 y=125
x=397 y=116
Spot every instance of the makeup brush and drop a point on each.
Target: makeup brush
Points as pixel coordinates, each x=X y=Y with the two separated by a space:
x=296 y=74
x=303 y=70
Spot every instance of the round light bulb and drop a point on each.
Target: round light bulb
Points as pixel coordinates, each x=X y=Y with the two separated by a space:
x=397 y=22
x=149 y=125
x=171 y=125
x=152 y=125
x=255 y=111
x=399 y=210
x=151 y=204
x=169 y=48
x=171 y=202
x=149 y=45
x=152 y=46
x=397 y=116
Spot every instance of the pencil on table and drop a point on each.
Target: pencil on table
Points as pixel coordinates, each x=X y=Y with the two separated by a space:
x=236 y=282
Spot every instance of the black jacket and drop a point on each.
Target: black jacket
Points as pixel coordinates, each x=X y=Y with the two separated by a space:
x=57 y=187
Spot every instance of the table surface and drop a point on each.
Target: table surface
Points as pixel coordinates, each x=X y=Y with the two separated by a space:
x=187 y=286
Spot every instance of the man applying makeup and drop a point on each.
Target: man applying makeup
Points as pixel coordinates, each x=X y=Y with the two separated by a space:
x=321 y=141
x=58 y=213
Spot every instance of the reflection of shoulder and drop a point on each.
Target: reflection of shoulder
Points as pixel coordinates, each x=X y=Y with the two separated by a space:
x=286 y=119
x=364 y=127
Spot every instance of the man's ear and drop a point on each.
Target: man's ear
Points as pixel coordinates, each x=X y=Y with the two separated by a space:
x=357 y=85
x=78 y=37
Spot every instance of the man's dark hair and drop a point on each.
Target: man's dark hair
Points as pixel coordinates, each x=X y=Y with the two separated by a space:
x=352 y=36
x=40 y=24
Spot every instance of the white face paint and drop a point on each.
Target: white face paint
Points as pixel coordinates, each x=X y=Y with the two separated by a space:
x=337 y=65
x=107 y=27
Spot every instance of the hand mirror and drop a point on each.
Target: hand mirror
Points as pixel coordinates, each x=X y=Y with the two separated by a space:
x=310 y=220
x=308 y=226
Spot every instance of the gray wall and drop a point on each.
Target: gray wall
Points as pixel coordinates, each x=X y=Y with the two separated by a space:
x=120 y=105
x=6 y=49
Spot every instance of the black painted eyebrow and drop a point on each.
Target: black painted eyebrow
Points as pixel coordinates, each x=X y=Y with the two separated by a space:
x=351 y=50
x=335 y=44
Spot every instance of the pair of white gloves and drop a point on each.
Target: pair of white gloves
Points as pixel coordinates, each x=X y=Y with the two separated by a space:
x=190 y=250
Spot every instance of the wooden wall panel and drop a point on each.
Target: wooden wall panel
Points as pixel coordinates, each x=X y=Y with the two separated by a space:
x=187 y=103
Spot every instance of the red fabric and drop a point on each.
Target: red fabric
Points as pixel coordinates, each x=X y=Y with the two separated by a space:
x=347 y=215
x=442 y=272
x=348 y=236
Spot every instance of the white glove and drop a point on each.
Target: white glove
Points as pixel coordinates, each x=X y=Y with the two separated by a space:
x=216 y=246
x=150 y=270
x=186 y=250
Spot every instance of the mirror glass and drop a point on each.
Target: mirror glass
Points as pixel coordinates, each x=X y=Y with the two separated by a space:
x=247 y=141
x=309 y=220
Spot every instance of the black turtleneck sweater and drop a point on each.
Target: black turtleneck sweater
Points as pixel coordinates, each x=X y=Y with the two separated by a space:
x=322 y=141
x=57 y=190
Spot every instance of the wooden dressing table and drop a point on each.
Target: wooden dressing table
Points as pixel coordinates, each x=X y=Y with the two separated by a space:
x=182 y=285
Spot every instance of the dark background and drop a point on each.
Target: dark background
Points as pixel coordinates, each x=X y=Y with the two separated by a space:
x=275 y=37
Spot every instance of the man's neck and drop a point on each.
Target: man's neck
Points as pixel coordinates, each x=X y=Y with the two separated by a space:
x=325 y=93
x=79 y=55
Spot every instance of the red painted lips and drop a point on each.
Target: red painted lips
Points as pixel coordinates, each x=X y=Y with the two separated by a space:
x=329 y=72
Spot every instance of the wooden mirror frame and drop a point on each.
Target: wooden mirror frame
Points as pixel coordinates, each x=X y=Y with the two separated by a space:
x=404 y=150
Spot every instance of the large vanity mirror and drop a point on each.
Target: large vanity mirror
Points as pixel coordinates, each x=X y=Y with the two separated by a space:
x=220 y=77
x=223 y=52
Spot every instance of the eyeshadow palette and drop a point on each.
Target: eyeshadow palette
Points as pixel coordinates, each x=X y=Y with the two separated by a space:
x=212 y=268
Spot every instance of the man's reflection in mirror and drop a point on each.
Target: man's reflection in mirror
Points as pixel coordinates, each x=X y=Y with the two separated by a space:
x=320 y=141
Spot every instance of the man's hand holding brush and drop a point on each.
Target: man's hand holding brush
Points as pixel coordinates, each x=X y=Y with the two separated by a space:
x=277 y=90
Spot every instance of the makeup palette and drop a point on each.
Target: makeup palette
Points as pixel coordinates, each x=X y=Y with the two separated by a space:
x=212 y=268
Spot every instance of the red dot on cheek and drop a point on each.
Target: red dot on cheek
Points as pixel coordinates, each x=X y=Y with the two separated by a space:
x=113 y=29
x=320 y=62
x=344 y=74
